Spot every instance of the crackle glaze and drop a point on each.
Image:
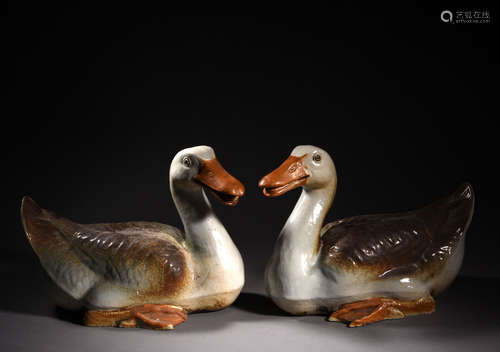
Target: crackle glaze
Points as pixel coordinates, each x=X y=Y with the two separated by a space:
x=110 y=266
x=316 y=269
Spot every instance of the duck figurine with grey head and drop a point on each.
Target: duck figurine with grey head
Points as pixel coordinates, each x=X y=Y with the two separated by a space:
x=147 y=274
x=361 y=269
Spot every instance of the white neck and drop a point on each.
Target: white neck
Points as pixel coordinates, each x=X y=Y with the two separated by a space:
x=300 y=238
x=216 y=260
x=199 y=220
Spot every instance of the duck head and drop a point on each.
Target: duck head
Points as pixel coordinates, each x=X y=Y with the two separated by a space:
x=198 y=167
x=307 y=166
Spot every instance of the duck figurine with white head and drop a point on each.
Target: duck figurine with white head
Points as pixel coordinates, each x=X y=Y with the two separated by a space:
x=147 y=274
x=366 y=268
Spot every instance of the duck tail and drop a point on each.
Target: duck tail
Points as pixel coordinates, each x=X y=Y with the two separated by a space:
x=461 y=204
x=455 y=209
x=45 y=232
x=38 y=226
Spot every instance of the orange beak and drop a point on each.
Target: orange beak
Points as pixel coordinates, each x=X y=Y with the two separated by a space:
x=219 y=182
x=289 y=175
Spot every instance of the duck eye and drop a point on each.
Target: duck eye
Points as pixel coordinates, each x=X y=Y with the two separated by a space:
x=186 y=161
x=317 y=158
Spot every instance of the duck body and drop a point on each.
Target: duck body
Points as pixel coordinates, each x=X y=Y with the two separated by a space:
x=117 y=265
x=316 y=269
x=402 y=255
x=114 y=265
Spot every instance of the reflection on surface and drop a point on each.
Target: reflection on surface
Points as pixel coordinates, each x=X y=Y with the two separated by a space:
x=467 y=308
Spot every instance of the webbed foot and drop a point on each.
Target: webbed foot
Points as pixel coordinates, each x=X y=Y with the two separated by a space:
x=153 y=316
x=376 y=309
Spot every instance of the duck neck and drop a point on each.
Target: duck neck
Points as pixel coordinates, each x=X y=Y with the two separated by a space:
x=300 y=237
x=203 y=231
x=217 y=264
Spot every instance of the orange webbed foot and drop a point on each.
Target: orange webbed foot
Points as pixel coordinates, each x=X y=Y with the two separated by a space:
x=381 y=308
x=157 y=316
x=153 y=316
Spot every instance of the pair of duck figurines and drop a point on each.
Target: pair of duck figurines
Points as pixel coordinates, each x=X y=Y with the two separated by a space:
x=359 y=270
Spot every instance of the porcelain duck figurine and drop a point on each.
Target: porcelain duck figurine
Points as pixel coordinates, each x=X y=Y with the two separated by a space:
x=147 y=274
x=361 y=269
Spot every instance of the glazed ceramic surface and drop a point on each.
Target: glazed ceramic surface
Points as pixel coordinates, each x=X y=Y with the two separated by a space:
x=316 y=269
x=107 y=266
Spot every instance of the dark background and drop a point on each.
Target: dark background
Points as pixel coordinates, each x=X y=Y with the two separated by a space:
x=97 y=100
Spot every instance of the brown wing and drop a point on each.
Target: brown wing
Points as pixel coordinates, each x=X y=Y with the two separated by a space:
x=397 y=244
x=148 y=257
x=387 y=243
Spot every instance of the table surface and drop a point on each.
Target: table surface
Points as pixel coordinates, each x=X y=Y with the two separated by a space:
x=466 y=319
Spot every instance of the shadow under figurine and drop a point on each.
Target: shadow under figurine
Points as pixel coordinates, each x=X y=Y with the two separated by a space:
x=364 y=268
x=147 y=274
